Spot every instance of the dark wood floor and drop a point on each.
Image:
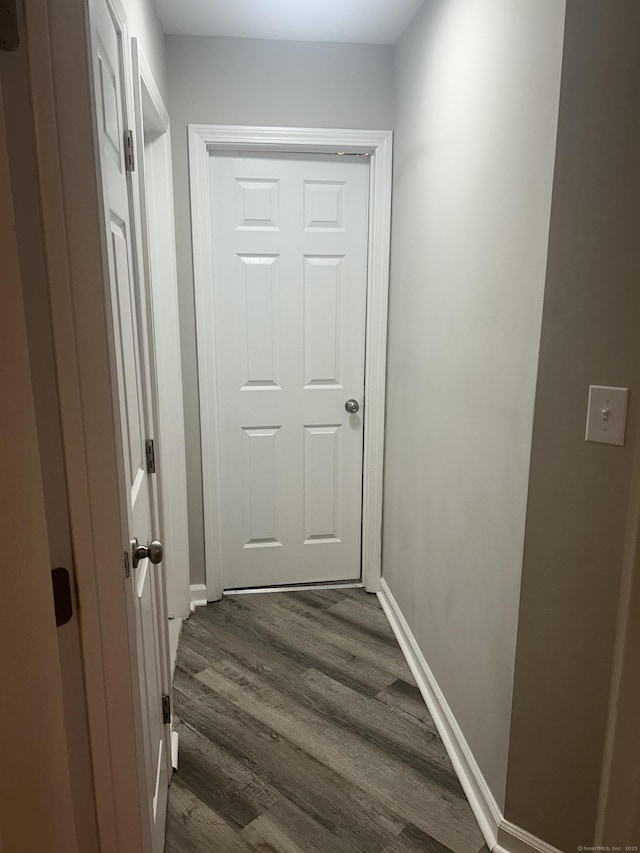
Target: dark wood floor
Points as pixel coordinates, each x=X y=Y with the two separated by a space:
x=302 y=731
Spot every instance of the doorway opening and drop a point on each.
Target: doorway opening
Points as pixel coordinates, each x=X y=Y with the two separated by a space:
x=155 y=188
x=312 y=227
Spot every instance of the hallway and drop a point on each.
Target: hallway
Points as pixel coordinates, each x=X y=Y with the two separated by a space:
x=302 y=731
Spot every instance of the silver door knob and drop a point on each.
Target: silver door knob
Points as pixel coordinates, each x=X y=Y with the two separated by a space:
x=352 y=406
x=153 y=552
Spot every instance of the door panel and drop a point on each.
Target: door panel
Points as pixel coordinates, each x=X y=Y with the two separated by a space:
x=260 y=280
x=260 y=463
x=289 y=285
x=131 y=348
x=127 y=350
x=322 y=321
x=321 y=484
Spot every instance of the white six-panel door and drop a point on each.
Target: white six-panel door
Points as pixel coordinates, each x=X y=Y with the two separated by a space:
x=133 y=388
x=289 y=281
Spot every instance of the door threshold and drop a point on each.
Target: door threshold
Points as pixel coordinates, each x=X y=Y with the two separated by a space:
x=295 y=588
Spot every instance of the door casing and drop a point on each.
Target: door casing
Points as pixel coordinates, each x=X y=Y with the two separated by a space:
x=155 y=188
x=618 y=813
x=377 y=145
x=36 y=797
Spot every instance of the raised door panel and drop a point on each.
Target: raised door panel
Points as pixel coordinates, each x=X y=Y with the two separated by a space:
x=260 y=303
x=257 y=202
x=109 y=114
x=322 y=484
x=322 y=332
x=323 y=202
x=127 y=352
x=261 y=487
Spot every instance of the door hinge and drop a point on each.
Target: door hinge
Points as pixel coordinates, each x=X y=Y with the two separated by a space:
x=150 y=451
x=166 y=709
x=129 y=161
x=9 y=33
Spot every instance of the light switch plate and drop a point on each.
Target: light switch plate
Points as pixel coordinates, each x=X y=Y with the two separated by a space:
x=607 y=414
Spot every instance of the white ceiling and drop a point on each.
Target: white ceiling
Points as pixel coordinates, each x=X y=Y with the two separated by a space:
x=368 y=21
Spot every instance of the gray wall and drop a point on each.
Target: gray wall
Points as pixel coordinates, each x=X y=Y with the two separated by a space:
x=579 y=492
x=143 y=23
x=477 y=87
x=248 y=82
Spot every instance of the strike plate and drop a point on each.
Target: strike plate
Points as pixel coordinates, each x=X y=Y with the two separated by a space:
x=9 y=35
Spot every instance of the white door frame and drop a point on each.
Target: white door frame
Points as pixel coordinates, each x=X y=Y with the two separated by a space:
x=619 y=799
x=36 y=799
x=203 y=139
x=159 y=261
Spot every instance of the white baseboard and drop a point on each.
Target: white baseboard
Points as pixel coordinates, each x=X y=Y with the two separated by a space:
x=198 y=595
x=514 y=839
x=500 y=835
x=484 y=806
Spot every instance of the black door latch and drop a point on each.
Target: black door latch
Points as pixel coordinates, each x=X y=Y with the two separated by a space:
x=62 y=600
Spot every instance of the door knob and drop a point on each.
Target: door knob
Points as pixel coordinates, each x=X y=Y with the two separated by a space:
x=153 y=551
x=352 y=406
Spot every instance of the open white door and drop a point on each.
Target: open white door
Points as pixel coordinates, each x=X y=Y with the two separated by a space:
x=132 y=356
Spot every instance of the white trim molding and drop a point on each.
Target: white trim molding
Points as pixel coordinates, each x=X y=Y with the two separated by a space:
x=500 y=835
x=203 y=139
x=514 y=839
x=155 y=190
x=197 y=595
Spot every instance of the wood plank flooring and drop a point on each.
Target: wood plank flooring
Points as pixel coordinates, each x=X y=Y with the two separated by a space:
x=302 y=731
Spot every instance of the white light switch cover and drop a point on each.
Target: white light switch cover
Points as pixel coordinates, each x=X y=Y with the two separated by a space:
x=607 y=414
